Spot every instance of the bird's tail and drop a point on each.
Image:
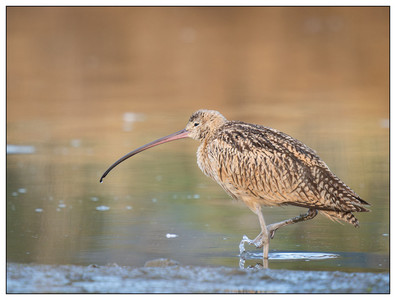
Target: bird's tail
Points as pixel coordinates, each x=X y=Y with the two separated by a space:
x=339 y=216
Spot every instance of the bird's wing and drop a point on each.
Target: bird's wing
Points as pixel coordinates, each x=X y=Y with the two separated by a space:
x=256 y=162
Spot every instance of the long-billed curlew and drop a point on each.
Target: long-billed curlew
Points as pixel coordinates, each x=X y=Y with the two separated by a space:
x=264 y=167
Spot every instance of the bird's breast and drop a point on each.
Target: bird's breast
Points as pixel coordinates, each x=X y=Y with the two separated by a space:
x=203 y=160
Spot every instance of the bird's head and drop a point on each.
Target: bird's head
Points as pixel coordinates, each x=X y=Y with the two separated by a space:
x=203 y=122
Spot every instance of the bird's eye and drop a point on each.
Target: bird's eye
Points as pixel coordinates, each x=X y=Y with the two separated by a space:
x=196 y=124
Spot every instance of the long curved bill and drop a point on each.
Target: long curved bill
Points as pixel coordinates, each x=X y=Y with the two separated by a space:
x=174 y=136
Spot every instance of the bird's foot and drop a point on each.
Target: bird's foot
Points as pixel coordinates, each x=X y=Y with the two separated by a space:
x=271 y=228
x=271 y=231
x=262 y=240
x=259 y=242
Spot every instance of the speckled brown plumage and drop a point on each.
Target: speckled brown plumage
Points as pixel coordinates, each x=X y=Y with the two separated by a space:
x=254 y=163
x=262 y=166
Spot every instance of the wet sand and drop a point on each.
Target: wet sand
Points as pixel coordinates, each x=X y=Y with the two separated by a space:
x=31 y=278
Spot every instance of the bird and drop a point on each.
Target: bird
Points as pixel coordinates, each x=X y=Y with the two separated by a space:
x=262 y=166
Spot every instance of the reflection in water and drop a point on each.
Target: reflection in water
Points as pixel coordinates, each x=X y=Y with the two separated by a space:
x=130 y=118
x=20 y=149
x=73 y=75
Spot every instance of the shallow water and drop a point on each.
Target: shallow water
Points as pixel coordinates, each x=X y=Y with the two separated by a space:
x=86 y=86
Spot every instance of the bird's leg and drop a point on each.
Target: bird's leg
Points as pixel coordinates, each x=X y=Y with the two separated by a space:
x=303 y=217
x=268 y=232
x=262 y=240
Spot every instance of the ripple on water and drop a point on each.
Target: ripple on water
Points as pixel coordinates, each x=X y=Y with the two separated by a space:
x=291 y=255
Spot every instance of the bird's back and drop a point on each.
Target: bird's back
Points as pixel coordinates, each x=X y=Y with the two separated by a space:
x=257 y=164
